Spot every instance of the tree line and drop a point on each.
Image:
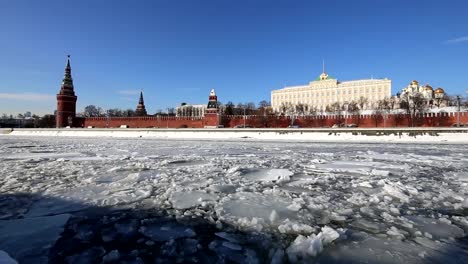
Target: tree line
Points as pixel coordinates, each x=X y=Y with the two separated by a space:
x=410 y=107
x=228 y=109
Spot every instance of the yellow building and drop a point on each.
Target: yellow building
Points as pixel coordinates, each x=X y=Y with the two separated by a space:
x=326 y=90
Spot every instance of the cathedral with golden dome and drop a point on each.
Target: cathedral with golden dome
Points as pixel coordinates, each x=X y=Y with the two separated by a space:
x=432 y=98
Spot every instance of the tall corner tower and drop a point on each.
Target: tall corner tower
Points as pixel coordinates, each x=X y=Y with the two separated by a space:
x=141 y=109
x=66 y=100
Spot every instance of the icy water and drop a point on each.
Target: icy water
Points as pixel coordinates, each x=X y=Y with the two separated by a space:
x=158 y=201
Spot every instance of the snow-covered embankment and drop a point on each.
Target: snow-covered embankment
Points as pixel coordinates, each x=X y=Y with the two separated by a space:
x=404 y=135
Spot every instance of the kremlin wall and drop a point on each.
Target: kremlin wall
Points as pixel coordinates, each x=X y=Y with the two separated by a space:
x=365 y=121
x=213 y=118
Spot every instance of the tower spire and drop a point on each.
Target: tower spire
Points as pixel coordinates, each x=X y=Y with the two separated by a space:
x=141 y=109
x=323 y=66
x=67 y=81
x=66 y=99
x=68 y=62
x=141 y=98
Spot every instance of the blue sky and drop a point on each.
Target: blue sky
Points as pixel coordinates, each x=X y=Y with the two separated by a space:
x=176 y=51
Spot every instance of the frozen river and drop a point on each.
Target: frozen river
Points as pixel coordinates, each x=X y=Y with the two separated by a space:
x=84 y=200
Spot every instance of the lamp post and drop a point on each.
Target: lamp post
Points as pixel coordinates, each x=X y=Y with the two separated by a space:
x=458 y=111
x=346 y=107
x=411 y=105
x=167 y=118
x=107 y=118
x=244 y=116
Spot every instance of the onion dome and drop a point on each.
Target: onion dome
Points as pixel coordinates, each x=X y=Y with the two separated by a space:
x=429 y=88
x=439 y=91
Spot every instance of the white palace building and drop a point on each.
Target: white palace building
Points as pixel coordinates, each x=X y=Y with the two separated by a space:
x=326 y=90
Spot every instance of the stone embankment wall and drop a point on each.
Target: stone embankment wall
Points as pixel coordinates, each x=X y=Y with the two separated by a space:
x=365 y=121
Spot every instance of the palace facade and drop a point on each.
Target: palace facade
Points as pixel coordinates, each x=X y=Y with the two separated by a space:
x=189 y=110
x=326 y=90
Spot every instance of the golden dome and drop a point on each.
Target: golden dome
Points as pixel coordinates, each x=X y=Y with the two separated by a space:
x=439 y=91
x=414 y=82
x=429 y=88
x=323 y=76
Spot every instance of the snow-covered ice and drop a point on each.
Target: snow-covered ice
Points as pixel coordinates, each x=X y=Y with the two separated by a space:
x=324 y=202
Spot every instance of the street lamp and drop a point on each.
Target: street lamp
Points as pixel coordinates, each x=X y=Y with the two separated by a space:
x=167 y=118
x=244 y=116
x=107 y=118
x=411 y=106
x=346 y=107
x=458 y=111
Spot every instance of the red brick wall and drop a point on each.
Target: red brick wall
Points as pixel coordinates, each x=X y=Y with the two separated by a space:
x=144 y=122
x=445 y=119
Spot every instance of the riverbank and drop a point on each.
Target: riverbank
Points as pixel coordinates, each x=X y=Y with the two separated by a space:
x=403 y=135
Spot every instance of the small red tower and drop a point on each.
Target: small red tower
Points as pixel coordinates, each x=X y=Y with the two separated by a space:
x=141 y=110
x=212 y=103
x=212 y=110
x=66 y=100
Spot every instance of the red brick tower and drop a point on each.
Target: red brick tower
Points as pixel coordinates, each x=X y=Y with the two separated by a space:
x=141 y=110
x=66 y=100
x=212 y=111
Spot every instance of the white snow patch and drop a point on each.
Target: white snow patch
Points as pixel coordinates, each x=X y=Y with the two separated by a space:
x=189 y=199
x=304 y=247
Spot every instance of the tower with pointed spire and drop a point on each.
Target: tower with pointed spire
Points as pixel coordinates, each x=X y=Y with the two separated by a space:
x=66 y=100
x=141 y=110
x=212 y=117
x=212 y=102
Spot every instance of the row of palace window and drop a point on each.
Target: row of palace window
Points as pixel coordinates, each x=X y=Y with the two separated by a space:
x=322 y=101
x=321 y=94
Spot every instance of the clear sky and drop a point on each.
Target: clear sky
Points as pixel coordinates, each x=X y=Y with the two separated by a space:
x=176 y=51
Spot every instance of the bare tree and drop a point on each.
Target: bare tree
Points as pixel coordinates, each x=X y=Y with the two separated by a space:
x=250 y=106
x=115 y=112
x=171 y=111
x=464 y=102
x=337 y=109
x=263 y=104
x=391 y=103
x=286 y=108
x=93 y=111
x=312 y=110
x=414 y=105
x=128 y=113
x=362 y=102
x=300 y=109
x=229 y=108
x=384 y=107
